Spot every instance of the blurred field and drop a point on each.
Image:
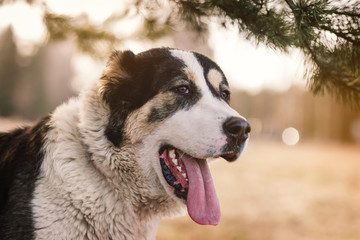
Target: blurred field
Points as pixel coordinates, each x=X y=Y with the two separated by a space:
x=308 y=191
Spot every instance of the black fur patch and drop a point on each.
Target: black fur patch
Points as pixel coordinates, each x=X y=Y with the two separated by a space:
x=180 y=101
x=159 y=113
x=20 y=160
x=207 y=65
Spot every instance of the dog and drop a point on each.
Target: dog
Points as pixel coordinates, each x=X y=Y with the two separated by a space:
x=129 y=150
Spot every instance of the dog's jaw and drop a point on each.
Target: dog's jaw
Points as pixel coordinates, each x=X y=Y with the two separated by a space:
x=174 y=171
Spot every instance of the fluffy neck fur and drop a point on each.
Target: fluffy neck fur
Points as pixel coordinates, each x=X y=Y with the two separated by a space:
x=89 y=186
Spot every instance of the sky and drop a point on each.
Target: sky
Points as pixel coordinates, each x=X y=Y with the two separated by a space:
x=26 y=23
x=255 y=67
x=247 y=66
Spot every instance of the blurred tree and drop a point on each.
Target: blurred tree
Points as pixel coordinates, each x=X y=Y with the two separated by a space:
x=327 y=31
x=8 y=72
x=25 y=89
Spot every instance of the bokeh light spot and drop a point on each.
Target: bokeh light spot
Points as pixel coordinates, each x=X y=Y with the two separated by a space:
x=290 y=136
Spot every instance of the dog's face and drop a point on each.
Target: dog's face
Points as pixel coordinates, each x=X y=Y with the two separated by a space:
x=174 y=106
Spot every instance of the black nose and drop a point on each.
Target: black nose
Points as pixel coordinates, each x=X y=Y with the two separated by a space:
x=237 y=128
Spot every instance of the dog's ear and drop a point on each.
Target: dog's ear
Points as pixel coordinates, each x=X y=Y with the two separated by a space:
x=117 y=75
x=117 y=90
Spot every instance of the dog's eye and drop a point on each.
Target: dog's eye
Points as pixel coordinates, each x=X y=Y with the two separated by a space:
x=183 y=89
x=225 y=94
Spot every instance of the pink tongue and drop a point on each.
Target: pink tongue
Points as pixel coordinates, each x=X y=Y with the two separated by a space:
x=202 y=202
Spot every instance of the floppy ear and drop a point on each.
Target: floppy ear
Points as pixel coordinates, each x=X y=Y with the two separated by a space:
x=117 y=74
x=118 y=91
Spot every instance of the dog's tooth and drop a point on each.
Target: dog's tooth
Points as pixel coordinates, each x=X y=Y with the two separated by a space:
x=172 y=153
x=179 y=168
x=175 y=161
x=184 y=175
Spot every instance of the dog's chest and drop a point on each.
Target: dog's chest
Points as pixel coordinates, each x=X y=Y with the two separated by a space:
x=59 y=217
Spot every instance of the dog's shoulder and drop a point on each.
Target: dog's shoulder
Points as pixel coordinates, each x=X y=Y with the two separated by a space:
x=20 y=160
x=20 y=156
x=10 y=149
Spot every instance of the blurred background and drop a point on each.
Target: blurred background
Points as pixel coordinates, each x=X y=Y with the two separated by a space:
x=299 y=177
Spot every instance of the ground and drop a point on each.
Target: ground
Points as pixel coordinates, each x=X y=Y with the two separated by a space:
x=278 y=192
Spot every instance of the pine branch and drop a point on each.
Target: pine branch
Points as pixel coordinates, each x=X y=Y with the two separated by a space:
x=89 y=39
x=340 y=34
x=337 y=70
x=307 y=26
x=344 y=13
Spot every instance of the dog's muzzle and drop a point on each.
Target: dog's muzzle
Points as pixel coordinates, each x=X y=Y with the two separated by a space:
x=237 y=131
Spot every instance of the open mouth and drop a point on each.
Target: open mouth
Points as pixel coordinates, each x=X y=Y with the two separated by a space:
x=174 y=171
x=191 y=179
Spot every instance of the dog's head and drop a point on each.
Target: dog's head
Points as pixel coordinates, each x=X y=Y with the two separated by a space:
x=173 y=106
